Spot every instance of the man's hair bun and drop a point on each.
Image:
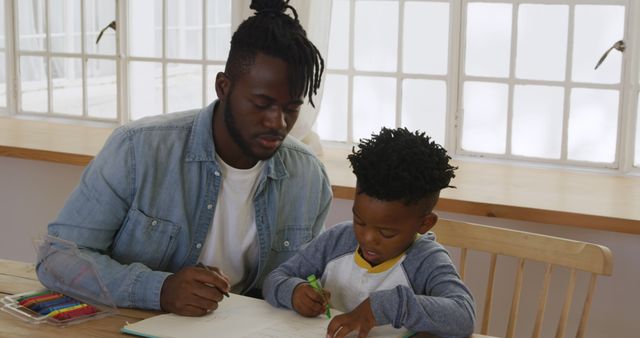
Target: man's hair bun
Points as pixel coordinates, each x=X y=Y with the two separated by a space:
x=269 y=6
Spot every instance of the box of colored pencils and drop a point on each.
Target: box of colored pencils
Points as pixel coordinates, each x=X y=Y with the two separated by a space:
x=46 y=306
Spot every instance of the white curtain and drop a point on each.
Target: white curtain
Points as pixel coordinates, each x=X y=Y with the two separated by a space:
x=315 y=17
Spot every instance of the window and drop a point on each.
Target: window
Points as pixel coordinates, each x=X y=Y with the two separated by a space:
x=511 y=80
x=394 y=71
x=95 y=60
x=3 y=58
x=500 y=79
x=189 y=47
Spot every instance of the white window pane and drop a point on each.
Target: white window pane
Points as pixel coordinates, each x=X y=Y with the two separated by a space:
x=184 y=87
x=376 y=43
x=338 y=57
x=145 y=28
x=426 y=38
x=218 y=29
x=488 y=39
x=145 y=89
x=542 y=42
x=596 y=29
x=66 y=76
x=424 y=107
x=64 y=26
x=184 y=29
x=2 y=24
x=331 y=123
x=31 y=24
x=374 y=105
x=484 y=126
x=593 y=124
x=3 y=82
x=33 y=82
x=98 y=15
x=636 y=158
x=102 y=92
x=212 y=72
x=537 y=121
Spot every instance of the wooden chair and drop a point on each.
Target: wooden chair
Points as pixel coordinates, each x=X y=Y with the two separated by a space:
x=553 y=251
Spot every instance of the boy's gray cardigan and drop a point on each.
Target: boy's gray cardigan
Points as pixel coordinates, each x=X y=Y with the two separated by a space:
x=437 y=302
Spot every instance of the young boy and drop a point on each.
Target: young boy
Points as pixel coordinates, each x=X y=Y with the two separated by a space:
x=384 y=268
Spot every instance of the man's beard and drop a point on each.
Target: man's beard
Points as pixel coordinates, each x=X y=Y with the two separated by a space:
x=233 y=130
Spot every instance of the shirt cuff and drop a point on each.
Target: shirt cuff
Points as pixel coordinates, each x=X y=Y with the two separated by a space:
x=384 y=305
x=146 y=289
x=284 y=292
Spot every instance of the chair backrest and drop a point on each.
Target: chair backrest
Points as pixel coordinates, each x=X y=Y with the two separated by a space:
x=553 y=251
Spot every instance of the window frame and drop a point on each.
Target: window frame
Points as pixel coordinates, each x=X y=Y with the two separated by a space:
x=454 y=79
x=628 y=87
x=624 y=139
x=14 y=85
x=122 y=58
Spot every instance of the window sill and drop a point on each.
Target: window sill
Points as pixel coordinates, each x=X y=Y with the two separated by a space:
x=543 y=195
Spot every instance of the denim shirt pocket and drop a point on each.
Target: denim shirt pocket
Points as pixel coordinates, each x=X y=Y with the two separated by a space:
x=291 y=238
x=145 y=239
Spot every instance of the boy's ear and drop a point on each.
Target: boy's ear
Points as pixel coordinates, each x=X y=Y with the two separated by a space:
x=428 y=221
x=223 y=83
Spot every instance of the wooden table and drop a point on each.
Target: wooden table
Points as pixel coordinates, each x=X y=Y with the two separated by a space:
x=18 y=277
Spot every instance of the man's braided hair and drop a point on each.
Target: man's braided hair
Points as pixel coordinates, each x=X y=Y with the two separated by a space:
x=273 y=32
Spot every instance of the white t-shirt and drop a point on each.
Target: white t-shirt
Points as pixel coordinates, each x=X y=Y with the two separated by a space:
x=232 y=243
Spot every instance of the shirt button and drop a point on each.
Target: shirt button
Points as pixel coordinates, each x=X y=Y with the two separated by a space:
x=217 y=173
x=286 y=243
x=154 y=222
x=209 y=206
x=199 y=245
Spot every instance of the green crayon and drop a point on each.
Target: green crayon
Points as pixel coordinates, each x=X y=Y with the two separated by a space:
x=315 y=284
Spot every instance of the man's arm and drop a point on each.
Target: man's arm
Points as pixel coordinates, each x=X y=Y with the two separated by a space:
x=91 y=218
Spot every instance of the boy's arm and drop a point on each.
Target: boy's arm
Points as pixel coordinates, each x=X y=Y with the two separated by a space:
x=279 y=285
x=444 y=306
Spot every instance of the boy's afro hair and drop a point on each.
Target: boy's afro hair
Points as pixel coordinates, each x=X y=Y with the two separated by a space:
x=401 y=165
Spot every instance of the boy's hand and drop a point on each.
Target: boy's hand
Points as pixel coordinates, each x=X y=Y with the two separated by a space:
x=361 y=319
x=308 y=302
x=193 y=291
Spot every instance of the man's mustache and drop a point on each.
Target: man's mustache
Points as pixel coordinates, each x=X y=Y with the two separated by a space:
x=273 y=133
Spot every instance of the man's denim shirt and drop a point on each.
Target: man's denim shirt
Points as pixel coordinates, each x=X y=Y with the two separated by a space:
x=144 y=206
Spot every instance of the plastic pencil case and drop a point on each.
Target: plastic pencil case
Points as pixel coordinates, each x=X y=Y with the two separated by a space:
x=83 y=295
x=45 y=306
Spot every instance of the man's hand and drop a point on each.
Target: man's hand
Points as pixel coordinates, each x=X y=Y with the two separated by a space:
x=308 y=302
x=193 y=291
x=361 y=319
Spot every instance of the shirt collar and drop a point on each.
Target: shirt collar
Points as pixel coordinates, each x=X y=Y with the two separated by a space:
x=382 y=267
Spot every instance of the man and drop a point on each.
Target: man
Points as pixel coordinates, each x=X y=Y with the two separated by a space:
x=223 y=186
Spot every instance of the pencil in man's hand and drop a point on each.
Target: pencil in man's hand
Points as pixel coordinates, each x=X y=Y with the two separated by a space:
x=200 y=265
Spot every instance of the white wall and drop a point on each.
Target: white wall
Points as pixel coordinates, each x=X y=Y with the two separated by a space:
x=32 y=192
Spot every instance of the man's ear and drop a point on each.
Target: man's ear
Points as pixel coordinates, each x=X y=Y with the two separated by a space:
x=428 y=221
x=223 y=85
